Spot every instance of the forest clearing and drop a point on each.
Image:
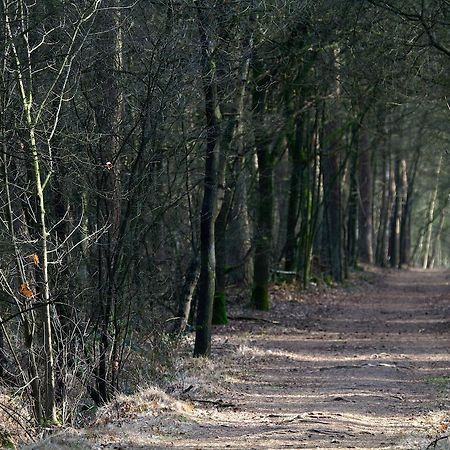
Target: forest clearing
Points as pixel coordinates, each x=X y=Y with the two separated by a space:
x=365 y=367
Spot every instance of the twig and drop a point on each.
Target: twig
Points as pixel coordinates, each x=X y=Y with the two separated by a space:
x=7 y=410
x=434 y=443
x=256 y=319
x=220 y=403
x=360 y=366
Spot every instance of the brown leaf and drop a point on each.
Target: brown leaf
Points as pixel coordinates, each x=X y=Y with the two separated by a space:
x=25 y=290
x=36 y=259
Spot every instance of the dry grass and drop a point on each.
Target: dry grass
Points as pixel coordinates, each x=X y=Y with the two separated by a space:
x=151 y=400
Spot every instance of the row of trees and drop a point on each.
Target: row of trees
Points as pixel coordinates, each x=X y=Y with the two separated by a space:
x=153 y=152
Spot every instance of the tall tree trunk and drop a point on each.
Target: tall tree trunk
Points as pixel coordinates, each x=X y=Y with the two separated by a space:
x=352 y=220
x=264 y=220
x=240 y=244
x=310 y=201
x=297 y=164
x=219 y=309
x=405 y=228
x=263 y=232
x=394 y=233
x=332 y=202
x=239 y=236
x=381 y=257
x=365 y=192
x=38 y=180
x=405 y=232
x=187 y=293
x=232 y=133
x=430 y=218
x=109 y=111
x=206 y=284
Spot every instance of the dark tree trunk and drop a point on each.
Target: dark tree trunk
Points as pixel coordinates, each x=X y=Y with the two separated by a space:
x=352 y=220
x=219 y=309
x=394 y=237
x=264 y=220
x=405 y=231
x=365 y=192
x=187 y=294
x=206 y=285
x=430 y=217
x=332 y=202
x=263 y=232
x=310 y=201
x=295 y=153
x=239 y=235
x=381 y=249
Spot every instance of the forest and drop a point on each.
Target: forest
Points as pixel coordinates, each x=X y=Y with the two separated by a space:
x=158 y=156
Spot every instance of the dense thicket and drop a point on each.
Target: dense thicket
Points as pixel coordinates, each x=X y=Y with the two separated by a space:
x=153 y=152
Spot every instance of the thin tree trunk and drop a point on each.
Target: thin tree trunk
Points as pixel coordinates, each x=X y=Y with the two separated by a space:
x=233 y=130
x=110 y=117
x=365 y=192
x=187 y=294
x=352 y=220
x=394 y=237
x=239 y=236
x=332 y=202
x=310 y=202
x=405 y=229
x=264 y=220
x=263 y=232
x=206 y=285
x=297 y=165
x=240 y=244
x=430 y=218
x=219 y=309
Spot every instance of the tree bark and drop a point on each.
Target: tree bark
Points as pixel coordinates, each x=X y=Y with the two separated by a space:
x=430 y=218
x=295 y=153
x=219 y=309
x=365 y=192
x=352 y=220
x=394 y=234
x=332 y=202
x=381 y=249
x=206 y=285
x=264 y=220
x=187 y=294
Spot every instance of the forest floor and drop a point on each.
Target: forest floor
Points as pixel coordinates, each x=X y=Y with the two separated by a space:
x=366 y=366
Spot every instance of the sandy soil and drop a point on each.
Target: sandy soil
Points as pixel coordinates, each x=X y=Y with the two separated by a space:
x=362 y=367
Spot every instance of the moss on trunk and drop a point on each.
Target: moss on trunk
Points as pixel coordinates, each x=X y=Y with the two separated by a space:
x=220 y=309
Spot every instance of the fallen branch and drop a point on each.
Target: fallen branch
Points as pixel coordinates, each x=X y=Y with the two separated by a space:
x=434 y=443
x=360 y=366
x=219 y=403
x=256 y=319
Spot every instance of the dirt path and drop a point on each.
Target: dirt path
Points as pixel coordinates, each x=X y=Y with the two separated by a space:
x=369 y=372
x=364 y=368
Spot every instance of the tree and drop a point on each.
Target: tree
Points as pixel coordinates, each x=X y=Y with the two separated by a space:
x=209 y=205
